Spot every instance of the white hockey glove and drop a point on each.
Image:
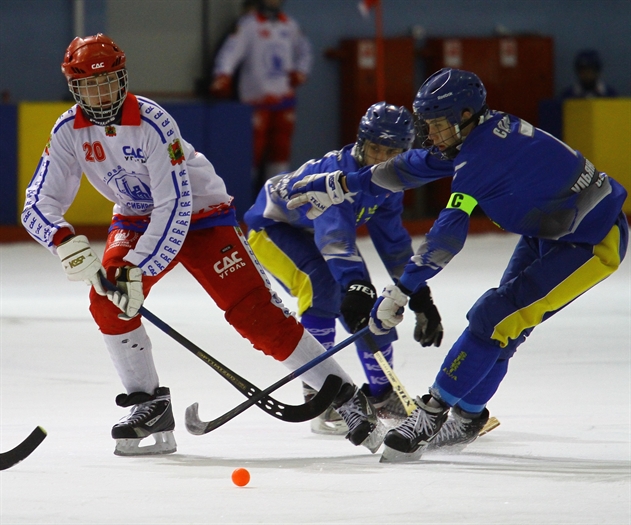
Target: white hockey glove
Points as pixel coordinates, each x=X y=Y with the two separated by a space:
x=129 y=296
x=321 y=190
x=388 y=310
x=81 y=263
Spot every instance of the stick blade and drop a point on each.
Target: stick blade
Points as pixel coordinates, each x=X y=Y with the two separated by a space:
x=23 y=450
x=194 y=425
x=492 y=423
x=289 y=413
x=316 y=405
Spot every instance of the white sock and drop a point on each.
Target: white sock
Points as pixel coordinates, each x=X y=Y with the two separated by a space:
x=306 y=350
x=133 y=360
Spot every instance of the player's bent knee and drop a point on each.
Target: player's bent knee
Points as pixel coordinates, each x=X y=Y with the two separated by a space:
x=486 y=314
x=261 y=318
x=105 y=314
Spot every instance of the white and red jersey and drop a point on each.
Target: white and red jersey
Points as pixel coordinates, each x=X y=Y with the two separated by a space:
x=143 y=165
x=267 y=50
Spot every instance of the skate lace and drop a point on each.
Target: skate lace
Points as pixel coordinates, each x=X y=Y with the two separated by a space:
x=352 y=413
x=451 y=429
x=419 y=422
x=140 y=413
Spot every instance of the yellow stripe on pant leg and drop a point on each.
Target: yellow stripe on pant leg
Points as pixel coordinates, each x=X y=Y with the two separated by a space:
x=282 y=268
x=605 y=261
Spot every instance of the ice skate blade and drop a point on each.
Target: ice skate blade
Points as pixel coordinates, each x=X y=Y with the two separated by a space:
x=328 y=428
x=164 y=444
x=446 y=449
x=390 y=455
x=375 y=438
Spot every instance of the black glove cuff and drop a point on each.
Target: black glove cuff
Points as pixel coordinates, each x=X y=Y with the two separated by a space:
x=421 y=300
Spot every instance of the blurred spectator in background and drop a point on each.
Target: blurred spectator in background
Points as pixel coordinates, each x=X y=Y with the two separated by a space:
x=588 y=67
x=274 y=57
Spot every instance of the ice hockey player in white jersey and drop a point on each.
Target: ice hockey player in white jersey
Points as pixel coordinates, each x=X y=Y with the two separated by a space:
x=170 y=207
x=273 y=57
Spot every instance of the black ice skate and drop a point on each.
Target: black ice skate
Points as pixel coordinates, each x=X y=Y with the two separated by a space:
x=458 y=431
x=151 y=415
x=365 y=428
x=329 y=422
x=388 y=405
x=409 y=440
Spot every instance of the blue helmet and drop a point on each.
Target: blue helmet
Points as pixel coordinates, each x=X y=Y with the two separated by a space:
x=388 y=125
x=447 y=94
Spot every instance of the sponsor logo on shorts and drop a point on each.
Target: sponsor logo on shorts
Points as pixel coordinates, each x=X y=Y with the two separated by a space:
x=229 y=264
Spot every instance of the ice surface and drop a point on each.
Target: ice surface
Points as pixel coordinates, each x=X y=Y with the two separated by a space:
x=560 y=456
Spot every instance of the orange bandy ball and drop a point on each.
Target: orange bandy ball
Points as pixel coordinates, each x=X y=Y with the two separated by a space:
x=241 y=477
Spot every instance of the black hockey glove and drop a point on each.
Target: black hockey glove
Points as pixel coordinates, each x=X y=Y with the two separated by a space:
x=357 y=303
x=429 y=329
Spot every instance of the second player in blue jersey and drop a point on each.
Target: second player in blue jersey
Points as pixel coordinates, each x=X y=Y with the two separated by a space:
x=315 y=256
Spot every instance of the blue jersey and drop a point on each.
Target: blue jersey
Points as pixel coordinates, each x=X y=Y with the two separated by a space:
x=525 y=180
x=335 y=230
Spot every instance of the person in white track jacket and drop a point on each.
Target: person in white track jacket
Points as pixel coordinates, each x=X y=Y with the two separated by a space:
x=273 y=57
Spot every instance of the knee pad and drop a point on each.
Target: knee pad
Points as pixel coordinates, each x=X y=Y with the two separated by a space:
x=487 y=311
x=486 y=314
x=262 y=319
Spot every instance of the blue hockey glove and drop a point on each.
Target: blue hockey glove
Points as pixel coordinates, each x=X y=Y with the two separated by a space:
x=321 y=190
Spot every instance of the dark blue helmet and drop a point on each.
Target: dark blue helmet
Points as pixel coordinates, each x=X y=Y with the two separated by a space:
x=447 y=94
x=588 y=59
x=387 y=125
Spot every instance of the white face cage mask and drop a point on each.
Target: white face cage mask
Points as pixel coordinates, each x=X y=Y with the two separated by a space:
x=100 y=96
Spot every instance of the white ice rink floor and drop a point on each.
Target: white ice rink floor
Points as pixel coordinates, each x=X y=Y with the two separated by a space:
x=560 y=456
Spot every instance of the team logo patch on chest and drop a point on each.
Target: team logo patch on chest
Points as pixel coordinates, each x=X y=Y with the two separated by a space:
x=134 y=154
x=134 y=192
x=110 y=131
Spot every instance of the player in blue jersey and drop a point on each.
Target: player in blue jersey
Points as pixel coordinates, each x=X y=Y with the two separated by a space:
x=317 y=259
x=569 y=216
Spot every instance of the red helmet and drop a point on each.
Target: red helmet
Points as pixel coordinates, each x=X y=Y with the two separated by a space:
x=96 y=57
x=92 y=55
